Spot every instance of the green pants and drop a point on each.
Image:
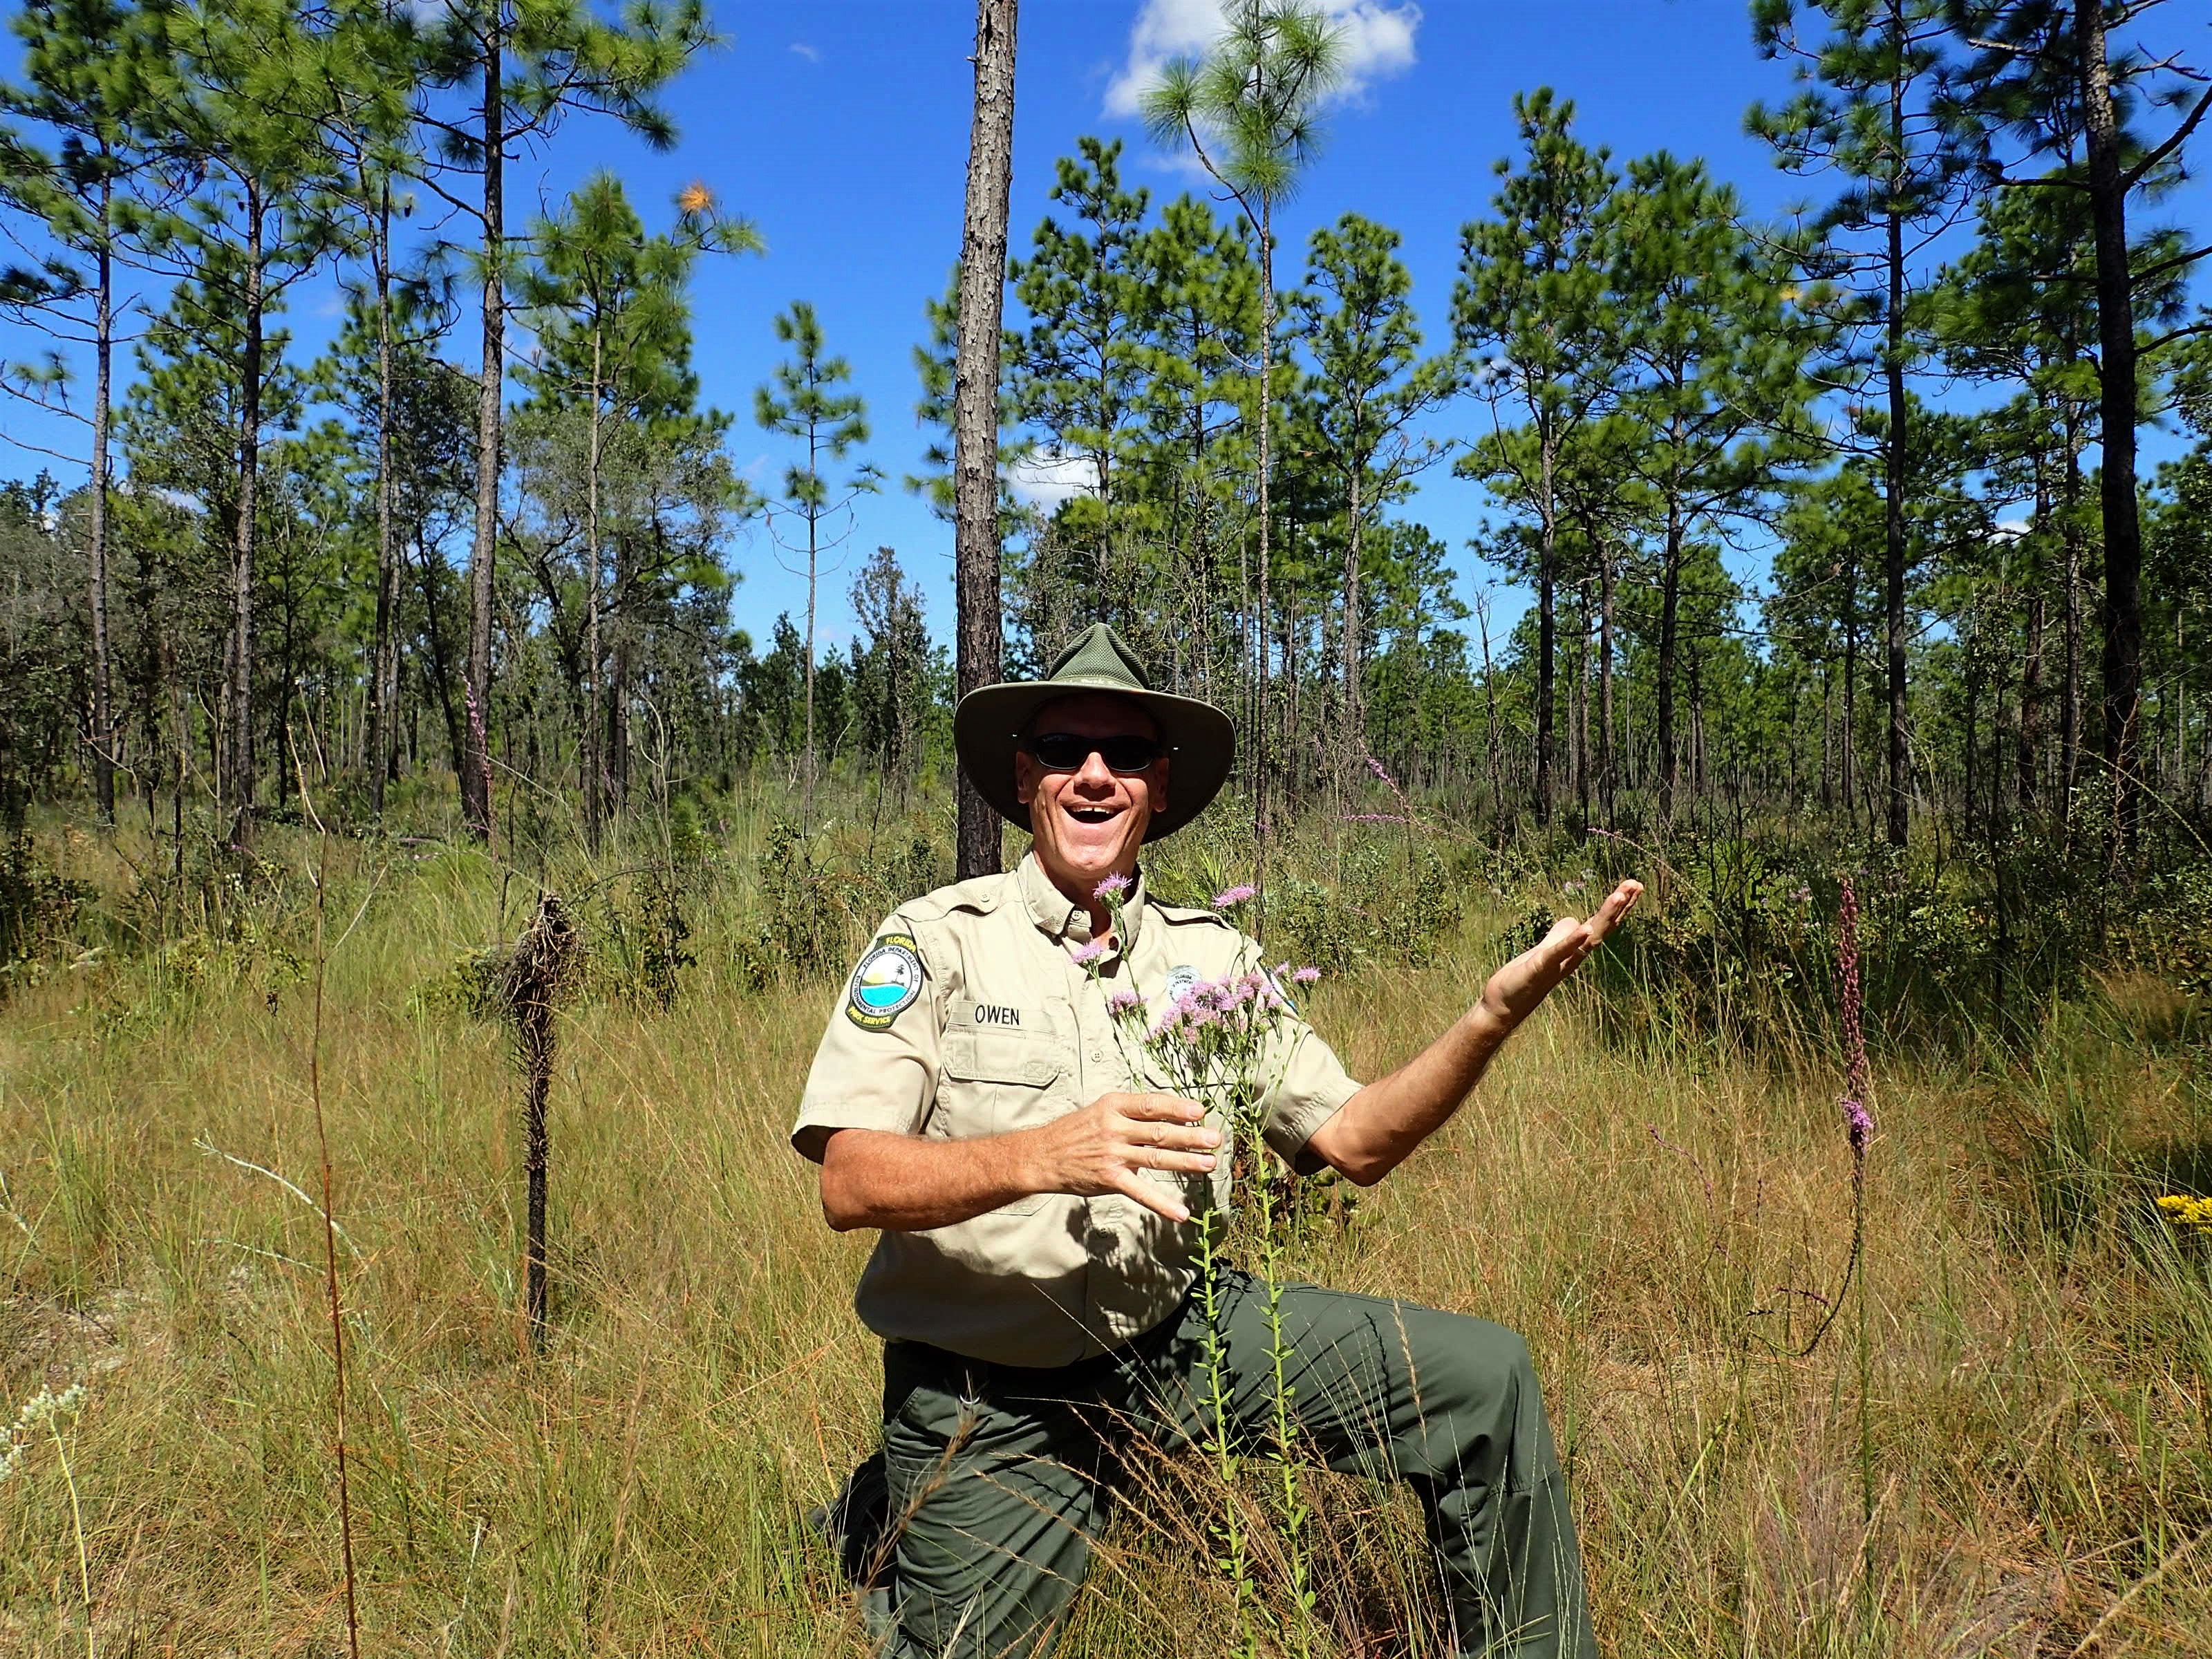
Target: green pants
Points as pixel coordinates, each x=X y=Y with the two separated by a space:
x=999 y=1477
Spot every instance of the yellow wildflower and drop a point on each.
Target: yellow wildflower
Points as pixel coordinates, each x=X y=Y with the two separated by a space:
x=2185 y=1211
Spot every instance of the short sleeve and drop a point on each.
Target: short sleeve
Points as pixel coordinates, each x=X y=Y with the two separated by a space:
x=876 y=1065
x=1313 y=1085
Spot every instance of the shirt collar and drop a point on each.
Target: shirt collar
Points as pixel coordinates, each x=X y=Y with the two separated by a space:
x=1056 y=914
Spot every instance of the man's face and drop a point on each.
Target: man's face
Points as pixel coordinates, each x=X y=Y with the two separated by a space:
x=1089 y=823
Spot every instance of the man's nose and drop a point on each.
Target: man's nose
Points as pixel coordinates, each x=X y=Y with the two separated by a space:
x=1094 y=773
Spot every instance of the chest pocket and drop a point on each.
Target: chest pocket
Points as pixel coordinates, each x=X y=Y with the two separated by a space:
x=995 y=1081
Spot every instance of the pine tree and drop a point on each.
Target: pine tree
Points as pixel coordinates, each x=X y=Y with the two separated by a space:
x=252 y=87
x=371 y=133
x=1249 y=112
x=1531 y=310
x=1077 y=370
x=526 y=68
x=1368 y=386
x=76 y=158
x=607 y=304
x=1715 y=381
x=2048 y=73
x=1875 y=109
x=802 y=401
x=1200 y=289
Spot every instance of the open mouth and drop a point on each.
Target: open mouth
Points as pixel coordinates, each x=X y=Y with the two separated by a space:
x=1094 y=814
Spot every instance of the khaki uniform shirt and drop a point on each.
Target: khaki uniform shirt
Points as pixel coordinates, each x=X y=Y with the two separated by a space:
x=968 y=1017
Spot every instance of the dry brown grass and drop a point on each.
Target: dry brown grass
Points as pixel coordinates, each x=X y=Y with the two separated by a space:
x=1657 y=1219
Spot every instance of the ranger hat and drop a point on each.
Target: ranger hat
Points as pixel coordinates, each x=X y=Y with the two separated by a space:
x=987 y=727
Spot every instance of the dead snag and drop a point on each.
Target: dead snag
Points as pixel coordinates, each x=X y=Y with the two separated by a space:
x=539 y=974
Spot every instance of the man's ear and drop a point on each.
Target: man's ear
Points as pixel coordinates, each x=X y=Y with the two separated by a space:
x=1159 y=787
x=1025 y=777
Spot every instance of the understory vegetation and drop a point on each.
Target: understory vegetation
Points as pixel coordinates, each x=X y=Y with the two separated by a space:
x=2004 y=1448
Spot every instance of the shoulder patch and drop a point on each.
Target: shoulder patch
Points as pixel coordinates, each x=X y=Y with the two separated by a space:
x=885 y=984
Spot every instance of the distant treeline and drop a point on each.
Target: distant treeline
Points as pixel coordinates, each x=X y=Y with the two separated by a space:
x=495 y=527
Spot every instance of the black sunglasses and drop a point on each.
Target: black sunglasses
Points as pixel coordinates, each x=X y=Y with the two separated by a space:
x=1063 y=752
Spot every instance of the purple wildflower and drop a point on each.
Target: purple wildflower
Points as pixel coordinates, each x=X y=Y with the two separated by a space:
x=1087 y=954
x=1859 y=1120
x=1112 y=888
x=1306 y=976
x=1123 y=1002
x=1234 y=897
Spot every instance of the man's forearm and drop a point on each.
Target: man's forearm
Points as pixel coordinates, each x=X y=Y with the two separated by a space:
x=906 y=1184
x=1376 y=1130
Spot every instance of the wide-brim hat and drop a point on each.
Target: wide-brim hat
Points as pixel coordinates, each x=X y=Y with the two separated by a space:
x=1200 y=739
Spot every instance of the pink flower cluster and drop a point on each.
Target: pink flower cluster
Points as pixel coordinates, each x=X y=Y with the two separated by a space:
x=1112 y=888
x=1236 y=1007
x=1084 y=955
x=1235 y=897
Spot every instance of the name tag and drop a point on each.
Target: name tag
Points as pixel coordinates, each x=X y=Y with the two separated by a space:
x=992 y=1013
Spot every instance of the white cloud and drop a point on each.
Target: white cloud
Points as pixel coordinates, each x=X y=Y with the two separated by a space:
x=1045 y=478
x=812 y=54
x=1376 y=35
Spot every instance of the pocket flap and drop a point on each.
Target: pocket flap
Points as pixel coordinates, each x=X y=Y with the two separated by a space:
x=989 y=1056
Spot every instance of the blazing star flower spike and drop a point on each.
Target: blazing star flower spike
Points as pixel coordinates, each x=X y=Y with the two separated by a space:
x=1084 y=955
x=1112 y=888
x=1859 y=1122
x=1235 y=897
x=1306 y=976
x=1123 y=1002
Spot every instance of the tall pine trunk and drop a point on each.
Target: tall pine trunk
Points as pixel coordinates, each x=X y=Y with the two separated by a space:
x=103 y=684
x=976 y=398
x=1605 y=682
x=1547 y=531
x=475 y=762
x=2116 y=376
x=2070 y=707
x=1355 y=703
x=249 y=455
x=1670 y=605
x=1260 y=763
x=594 y=767
x=384 y=654
x=1893 y=487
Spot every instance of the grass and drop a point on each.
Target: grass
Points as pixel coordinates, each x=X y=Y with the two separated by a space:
x=1658 y=1214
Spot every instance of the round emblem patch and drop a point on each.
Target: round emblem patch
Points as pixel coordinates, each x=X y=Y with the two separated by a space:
x=1181 y=978
x=885 y=983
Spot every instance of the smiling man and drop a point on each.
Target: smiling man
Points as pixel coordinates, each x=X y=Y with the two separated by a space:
x=1032 y=1279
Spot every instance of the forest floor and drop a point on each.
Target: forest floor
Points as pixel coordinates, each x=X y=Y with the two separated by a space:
x=2004 y=1449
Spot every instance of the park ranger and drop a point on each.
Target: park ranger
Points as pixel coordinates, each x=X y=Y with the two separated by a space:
x=1032 y=1280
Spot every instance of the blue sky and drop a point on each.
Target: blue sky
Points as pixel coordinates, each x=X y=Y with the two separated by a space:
x=841 y=128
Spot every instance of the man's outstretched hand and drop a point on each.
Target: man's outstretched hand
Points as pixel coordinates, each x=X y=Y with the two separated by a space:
x=1515 y=990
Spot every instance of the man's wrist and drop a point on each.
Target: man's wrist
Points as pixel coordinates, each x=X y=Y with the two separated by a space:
x=1023 y=1162
x=1488 y=1024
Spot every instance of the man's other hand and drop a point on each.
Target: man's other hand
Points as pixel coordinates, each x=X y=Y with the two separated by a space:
x=1515 y=990
x=1102 y=1148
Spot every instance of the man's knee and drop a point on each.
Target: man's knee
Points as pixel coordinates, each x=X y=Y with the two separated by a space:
x=1467 y=1362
